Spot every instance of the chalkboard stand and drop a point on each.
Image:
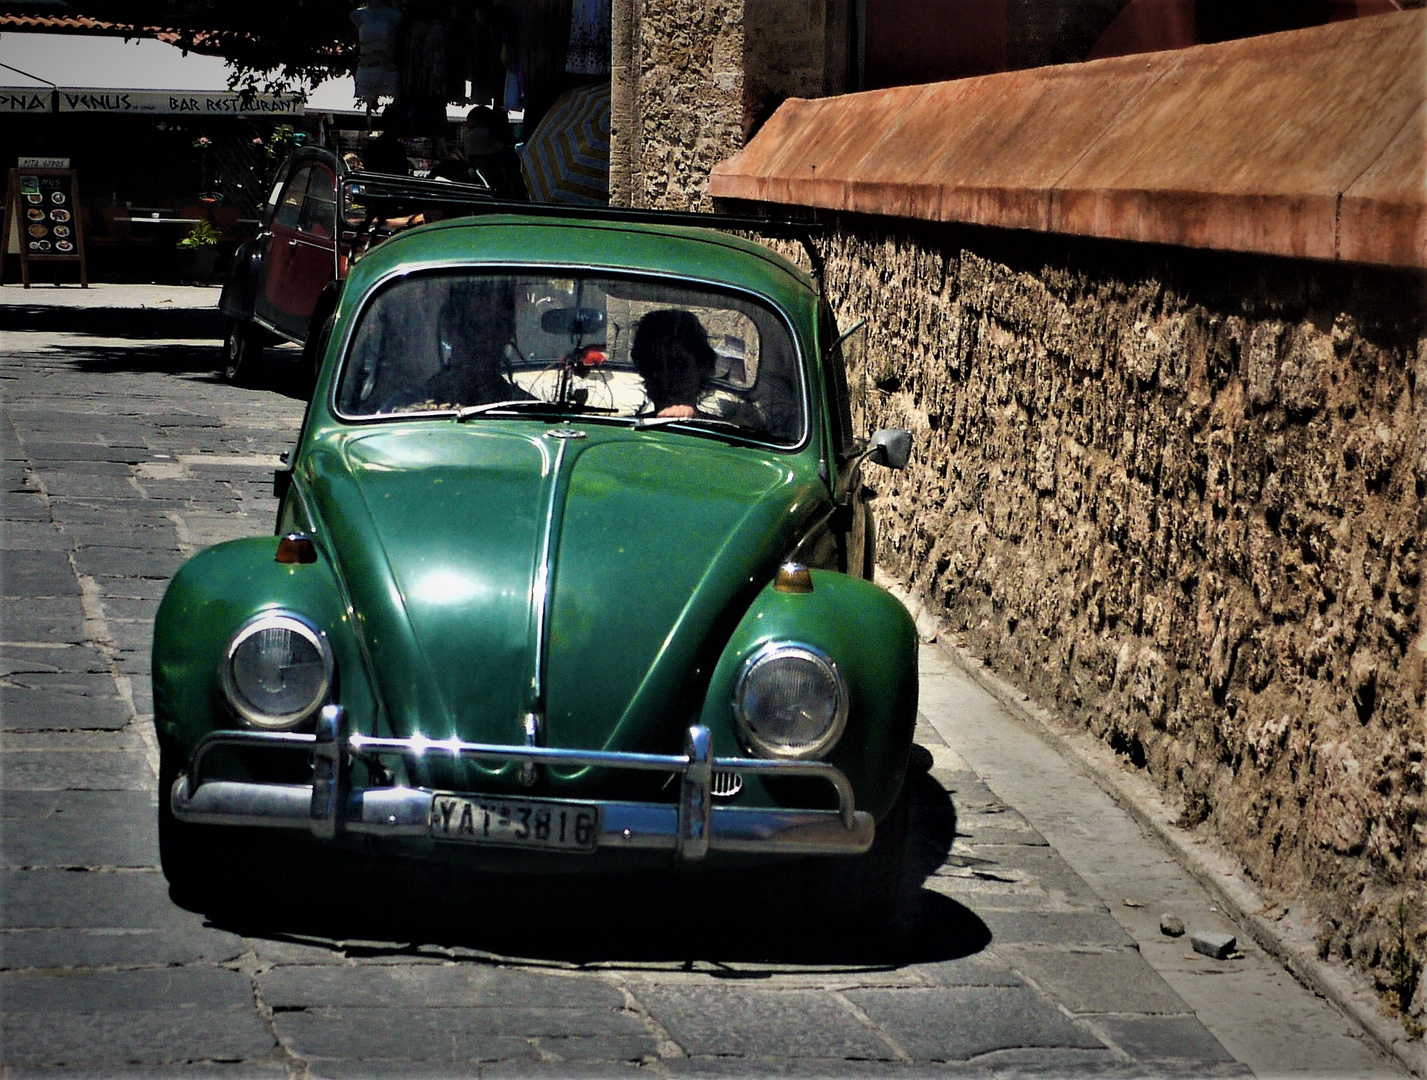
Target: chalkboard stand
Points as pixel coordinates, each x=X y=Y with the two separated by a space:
x=54 y=196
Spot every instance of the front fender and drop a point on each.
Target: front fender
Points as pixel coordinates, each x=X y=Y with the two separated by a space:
x=870 y=636
x=240 y=289
x=212 y=595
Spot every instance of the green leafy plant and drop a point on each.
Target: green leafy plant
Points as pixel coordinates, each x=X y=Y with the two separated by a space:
x=203 y=234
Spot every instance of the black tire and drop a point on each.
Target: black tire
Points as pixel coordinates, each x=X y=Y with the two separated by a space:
x=312 y=351
x=189 y=854
x=874 y=881
x=856 y=899
x=242 y=353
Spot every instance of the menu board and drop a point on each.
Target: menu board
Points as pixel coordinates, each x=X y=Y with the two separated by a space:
x=42 y=221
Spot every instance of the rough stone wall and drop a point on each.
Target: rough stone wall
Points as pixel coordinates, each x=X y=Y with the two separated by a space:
x=678 y=99
x=693 y=79
x=1179 y=497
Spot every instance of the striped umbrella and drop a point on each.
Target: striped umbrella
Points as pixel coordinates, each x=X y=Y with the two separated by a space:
x=566 y=159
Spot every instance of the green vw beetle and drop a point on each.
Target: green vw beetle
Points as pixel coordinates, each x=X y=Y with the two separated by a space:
x=571 y=573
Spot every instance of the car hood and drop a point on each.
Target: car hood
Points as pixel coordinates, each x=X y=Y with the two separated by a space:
x=448 y=537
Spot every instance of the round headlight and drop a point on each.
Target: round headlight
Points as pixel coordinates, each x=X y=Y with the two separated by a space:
x=278 y=671
x=790 y=701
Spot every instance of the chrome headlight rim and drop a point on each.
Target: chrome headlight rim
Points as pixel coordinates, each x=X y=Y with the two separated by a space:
x=772 y=650
x=308 y=631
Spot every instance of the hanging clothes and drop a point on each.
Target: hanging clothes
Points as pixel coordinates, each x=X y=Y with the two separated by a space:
x=425 y=73
x=589 y=50
x=377 y=74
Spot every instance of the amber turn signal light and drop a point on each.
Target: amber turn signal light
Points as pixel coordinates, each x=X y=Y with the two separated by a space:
x=793 y=577
x=296 y=548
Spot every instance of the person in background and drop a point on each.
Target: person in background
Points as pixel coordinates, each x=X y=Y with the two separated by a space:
x=491 y=158
x=386 y=153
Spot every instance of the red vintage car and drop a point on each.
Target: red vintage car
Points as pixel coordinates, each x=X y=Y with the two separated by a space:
x=320 y=217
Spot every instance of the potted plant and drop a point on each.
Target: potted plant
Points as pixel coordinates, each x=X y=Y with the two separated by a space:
x=198 y=252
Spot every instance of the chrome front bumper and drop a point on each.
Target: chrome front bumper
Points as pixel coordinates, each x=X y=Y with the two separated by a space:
x=330 y=807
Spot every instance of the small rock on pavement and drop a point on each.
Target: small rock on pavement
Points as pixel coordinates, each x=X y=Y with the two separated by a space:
x=1171 y=925
x=1218 y=946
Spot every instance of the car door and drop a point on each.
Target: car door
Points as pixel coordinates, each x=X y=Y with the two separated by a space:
x=301 y=255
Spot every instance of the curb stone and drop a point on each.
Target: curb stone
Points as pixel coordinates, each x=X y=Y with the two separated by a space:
x=1289 y=940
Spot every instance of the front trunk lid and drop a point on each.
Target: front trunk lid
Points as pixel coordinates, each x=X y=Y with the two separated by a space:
x=496 y=569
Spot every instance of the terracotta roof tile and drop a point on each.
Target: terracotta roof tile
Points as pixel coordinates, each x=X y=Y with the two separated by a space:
x=1309 y=144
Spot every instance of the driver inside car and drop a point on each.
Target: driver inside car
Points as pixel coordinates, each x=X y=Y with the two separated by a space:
x=476 y=322
x=672 y=354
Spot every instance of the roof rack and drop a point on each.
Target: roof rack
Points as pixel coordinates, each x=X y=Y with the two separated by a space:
x=774 y=228
x=475 y=199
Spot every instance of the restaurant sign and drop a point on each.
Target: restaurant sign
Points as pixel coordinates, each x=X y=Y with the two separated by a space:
x=148 y=102
x=14 y=100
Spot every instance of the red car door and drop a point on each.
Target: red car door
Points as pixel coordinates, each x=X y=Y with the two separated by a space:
x=301 y=255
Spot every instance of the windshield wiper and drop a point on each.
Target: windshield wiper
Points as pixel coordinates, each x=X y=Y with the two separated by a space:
x=664 y=421
x=515 y=405
x=528 y=405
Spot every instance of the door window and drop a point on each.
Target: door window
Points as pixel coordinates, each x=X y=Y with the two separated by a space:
x=289 y=209
x=318 y=204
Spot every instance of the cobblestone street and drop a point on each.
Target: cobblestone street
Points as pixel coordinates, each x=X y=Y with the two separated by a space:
x=1028 y=941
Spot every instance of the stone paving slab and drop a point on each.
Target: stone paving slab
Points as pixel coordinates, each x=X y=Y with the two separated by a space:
x=58 y=619
x=63 y=708
x=102 y=1039
x=126 y=991
x=78 y=829
x=794 y=1023
x=960 y=1023
x=50 y=658
x=1181 y=1037
x=100 y=562
x=321 y=1035
x=450 y=986
x=216 y=1070
x=56 y=899
x=1095 y=982
x=132 y=588
x=24 y=507
x=118 y=609
x=32 y=536
x=106 y=947
x=75 y=450
x=41 y=573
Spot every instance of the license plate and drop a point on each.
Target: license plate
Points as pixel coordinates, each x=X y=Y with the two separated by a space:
x=528 y=823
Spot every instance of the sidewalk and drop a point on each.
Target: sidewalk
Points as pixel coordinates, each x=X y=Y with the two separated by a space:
x=1117 y=834
x=109 y=295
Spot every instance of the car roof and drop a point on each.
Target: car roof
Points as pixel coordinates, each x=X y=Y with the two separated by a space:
x=707 y=255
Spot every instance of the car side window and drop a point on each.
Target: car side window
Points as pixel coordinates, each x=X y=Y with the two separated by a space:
x=289 y=208
x=318 y=204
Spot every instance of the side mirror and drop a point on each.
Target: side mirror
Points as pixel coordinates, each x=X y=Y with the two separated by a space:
x=890 y=447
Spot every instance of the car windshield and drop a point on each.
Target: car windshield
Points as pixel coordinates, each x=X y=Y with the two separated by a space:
x=493 y=344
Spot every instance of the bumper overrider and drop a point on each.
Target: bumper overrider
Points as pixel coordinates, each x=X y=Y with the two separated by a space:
x=330 y=807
